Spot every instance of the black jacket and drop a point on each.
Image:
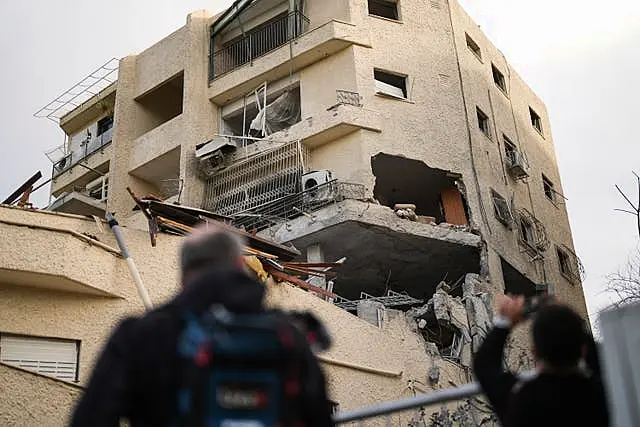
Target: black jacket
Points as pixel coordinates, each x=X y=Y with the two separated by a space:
x=547 y=399
x=137 y=375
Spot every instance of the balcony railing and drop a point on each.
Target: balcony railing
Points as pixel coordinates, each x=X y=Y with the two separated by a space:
x=257 y=42
x=86 y=150
x=298 y=204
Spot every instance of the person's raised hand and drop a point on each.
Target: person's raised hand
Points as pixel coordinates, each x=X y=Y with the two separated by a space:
x=511 y=307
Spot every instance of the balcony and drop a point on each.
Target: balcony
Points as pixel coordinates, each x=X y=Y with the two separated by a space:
x=88 y=149
x=77 y=169
x=257 y=42
x=330 y=125
x=232 y=80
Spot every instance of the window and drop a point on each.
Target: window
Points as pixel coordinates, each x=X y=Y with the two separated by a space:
x=536 y=121
x=53 y=357
x=384 y=8
x=547 y=185
x=526 y=232
x=501 y=208
x=569 y=264
x=483 y=122
x=498 y=79
x=389 y=84
x=510 y=149
x=105 y=124
x=473 y=46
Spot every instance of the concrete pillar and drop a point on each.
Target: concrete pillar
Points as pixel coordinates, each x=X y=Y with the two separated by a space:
x=371 y=312
x=316 y=254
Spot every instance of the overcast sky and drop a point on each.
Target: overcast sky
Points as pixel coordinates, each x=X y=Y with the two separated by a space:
x=581 y=56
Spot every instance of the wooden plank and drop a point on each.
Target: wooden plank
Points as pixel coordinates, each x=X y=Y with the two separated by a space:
x=299 y=282
x=314 y=264
x=453 y=207
x=28 y=184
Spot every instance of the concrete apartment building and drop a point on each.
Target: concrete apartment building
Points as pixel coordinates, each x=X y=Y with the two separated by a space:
x=391 y=133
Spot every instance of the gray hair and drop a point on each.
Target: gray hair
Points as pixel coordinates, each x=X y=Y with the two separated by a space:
x=211 y=247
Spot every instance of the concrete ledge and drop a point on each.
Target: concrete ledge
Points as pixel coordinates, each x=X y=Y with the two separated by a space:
x=73 y=262
x=369 y=213
x=156 y=142
x=330 y=125
x=311 y=47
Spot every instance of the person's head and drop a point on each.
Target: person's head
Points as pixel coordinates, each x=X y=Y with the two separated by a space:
x=210 y=248
x=559 y=336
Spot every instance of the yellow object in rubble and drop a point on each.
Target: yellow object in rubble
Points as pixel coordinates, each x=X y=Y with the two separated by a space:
x=256 y=266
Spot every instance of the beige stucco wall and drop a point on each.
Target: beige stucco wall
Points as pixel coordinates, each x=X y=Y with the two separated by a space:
x=32 y=400
x=365 y=365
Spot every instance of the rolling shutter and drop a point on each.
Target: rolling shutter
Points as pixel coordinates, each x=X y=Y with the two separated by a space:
x=52 y=357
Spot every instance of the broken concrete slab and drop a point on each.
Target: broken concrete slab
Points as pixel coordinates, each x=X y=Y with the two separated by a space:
x=479 y=308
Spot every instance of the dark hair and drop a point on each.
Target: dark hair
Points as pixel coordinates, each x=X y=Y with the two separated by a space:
x=207 y=249
x=558 y=336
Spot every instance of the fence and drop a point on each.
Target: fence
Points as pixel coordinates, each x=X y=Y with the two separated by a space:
x=257 y=42
x=86 y=150
x=297 y=204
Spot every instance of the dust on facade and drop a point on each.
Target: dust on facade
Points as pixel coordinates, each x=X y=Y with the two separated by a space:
x=385 y=145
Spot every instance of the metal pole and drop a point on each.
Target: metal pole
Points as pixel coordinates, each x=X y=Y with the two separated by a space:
x=113 y=224
x=440 y=396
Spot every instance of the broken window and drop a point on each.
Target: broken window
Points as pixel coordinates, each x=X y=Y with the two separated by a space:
x=105 y=124
x=473 y=46
x=501 y=208
x=384 y=8
x=547 y=186
x=99 y=188
x=536 y=121
x=526 y=232
x=498 y=78
x=160 y=104
x=483 y=122
x=259 y=119
x=434 y=192
x=390 y=84
x=509 y=149
x=569 y=264
x=516 y=283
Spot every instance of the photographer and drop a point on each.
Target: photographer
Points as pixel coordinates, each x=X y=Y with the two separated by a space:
x=563 y=392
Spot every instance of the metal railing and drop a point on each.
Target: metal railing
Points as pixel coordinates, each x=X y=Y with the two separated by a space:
x=88 y=148
x=298 y=204
x=257 y=42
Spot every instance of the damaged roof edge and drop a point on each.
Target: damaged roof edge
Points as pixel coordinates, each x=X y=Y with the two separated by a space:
x=229 y=15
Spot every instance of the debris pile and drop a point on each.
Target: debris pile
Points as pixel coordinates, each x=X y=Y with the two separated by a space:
x=264 y=257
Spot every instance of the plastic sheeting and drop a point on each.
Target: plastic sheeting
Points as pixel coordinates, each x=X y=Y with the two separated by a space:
x=282 y=113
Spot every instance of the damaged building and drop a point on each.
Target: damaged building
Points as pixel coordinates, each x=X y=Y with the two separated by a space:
x=389 y=138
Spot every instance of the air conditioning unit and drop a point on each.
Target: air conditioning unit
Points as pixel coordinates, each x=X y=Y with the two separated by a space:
x=211 y=155
x=517 y=165
x=316 y=187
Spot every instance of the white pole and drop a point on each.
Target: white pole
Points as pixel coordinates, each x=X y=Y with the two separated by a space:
x=142 y=291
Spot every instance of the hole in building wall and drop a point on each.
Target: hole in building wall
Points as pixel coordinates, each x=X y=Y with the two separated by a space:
x=517 y=283
x=160 y=104
x=433 y=191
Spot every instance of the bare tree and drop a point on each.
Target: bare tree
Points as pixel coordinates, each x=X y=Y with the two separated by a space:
x=635 y=208
x=625 y=284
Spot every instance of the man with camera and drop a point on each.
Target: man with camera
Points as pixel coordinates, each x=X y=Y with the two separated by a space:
x=567 y=388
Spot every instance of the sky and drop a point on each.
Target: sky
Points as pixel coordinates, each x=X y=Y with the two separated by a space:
x=580 y=56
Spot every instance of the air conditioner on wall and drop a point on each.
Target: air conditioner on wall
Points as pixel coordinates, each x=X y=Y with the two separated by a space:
x=517 y=165
x=316 y=187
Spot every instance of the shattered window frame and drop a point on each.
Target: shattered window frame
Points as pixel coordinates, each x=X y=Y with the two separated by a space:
x=473 y=46
x=383 y=78
x=483 y=122
x=509 y=149
x=568 y=265
x=498 y=79
x=526 y=232
x=549 y=188
x=536 y=121
x=501 y=209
